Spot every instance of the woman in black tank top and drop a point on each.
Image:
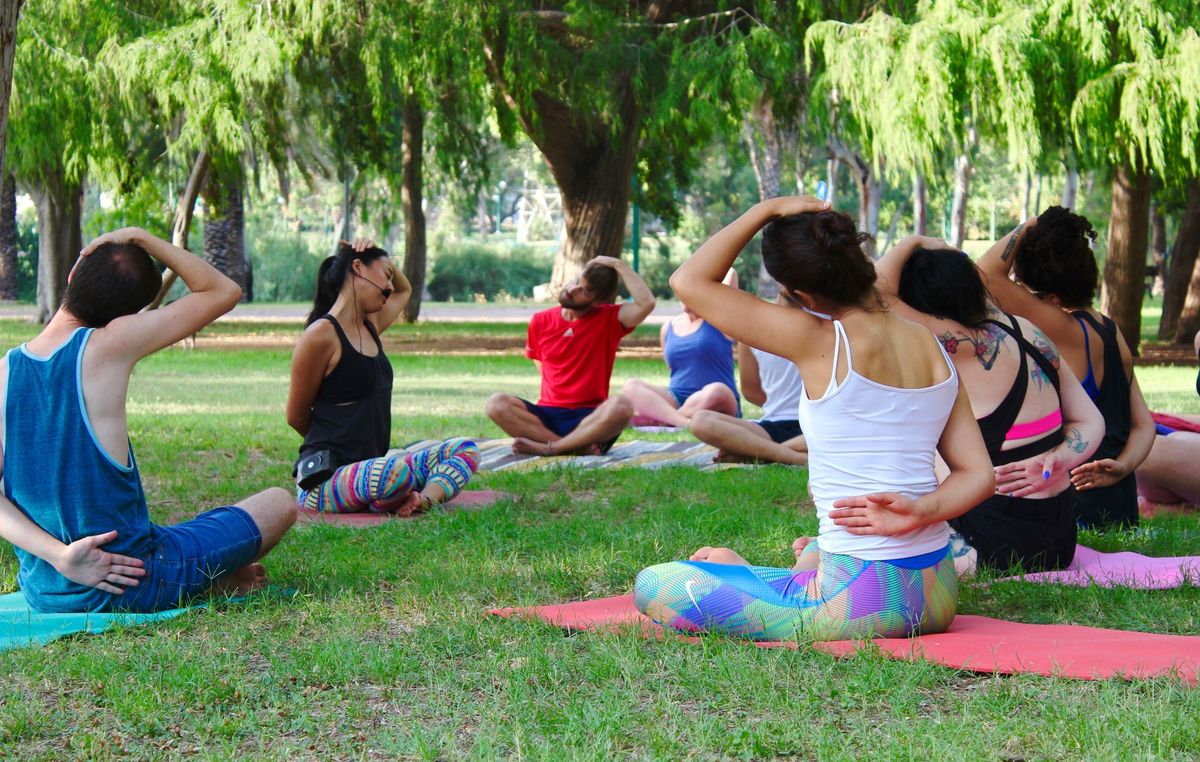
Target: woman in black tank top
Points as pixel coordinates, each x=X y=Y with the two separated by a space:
x=1052 y=257
x=341 y=393
x=1042 y=426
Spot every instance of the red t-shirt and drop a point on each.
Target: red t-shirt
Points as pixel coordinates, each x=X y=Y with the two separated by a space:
x=576 y=355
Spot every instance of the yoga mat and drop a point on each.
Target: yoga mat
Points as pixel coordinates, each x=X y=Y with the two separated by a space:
x=1175 y=422
x=22 y=626
x=497 y=455
x=983 y=644
x=1125 y=569
x=975 y=643
x=467 y=500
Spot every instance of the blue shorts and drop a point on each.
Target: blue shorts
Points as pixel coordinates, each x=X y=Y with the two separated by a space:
x=781 y=431
x=564 y=420
x=187 y=558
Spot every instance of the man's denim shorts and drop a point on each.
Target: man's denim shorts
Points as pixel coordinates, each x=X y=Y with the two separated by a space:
x=187 y=558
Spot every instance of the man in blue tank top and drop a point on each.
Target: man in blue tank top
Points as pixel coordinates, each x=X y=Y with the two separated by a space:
x=68 y=466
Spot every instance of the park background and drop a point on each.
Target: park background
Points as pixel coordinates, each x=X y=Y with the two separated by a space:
x=496 y=146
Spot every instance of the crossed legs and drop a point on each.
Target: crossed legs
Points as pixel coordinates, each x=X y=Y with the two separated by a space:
x=1168 y=475
x=531 y=436
x=657 y=401
x=745 y=439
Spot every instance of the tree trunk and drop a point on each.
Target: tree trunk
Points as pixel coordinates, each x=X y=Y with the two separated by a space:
x=920 y=205
x=182 y=227
x=9 y=286
x=344 y=228
x=410 y=200
x=595 y=197
x=832 y=170
x=763 y=141
x=1189 y=319
x=1179 y=272
x=963 y=169
x=1125 y=268
x=10 y=11
x=1028 y=202
x=870 y=191
x=1070 y=189
x=59 y=204
x=225 y=227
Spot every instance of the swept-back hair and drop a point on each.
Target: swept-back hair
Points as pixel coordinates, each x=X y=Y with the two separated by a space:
x=333 y=273
x=820 y=253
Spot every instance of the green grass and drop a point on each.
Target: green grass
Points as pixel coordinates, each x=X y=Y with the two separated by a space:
x=386 y=652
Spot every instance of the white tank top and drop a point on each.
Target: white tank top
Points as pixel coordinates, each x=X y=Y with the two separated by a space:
x=865 y=437
x=781 y=383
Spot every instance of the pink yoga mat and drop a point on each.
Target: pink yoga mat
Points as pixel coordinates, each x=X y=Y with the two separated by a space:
x=1175 y=422
x=467 y=500
x=974 y=643
x=1091 y=567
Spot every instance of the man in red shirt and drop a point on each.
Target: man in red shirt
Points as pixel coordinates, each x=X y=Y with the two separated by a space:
x=574 y=346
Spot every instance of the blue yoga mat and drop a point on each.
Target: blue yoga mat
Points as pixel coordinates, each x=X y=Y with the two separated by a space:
x=22 y=626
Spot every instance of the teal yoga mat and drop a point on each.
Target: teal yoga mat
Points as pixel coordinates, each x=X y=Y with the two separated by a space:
x=22 y=626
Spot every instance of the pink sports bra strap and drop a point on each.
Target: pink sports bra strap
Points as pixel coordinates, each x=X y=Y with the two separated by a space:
x=1034 y=428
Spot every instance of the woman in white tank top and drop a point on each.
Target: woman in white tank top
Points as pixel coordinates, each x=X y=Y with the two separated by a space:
x=880 y=397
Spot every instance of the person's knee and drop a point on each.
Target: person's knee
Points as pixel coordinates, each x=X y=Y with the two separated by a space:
x=620 y=407
x=498 y=405
x=273 y=510
x=466 y=449
x=632 y=386
x=703 y=423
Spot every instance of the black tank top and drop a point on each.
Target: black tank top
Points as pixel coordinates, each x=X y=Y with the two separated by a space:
x=995 y=425
x=352 y=414
x=1116 y=504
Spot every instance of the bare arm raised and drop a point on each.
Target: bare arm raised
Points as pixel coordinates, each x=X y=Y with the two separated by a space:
x=132 y=337
x=739 y=315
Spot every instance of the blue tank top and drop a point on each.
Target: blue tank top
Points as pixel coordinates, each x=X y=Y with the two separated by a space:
x=58 y=474
x=698 y=359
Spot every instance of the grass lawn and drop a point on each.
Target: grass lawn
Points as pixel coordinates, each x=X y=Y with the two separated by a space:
x=386 y=653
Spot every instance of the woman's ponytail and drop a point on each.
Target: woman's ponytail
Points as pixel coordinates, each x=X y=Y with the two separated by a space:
x=330 y=277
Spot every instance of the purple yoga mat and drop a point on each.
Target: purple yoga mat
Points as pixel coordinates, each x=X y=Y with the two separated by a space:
x=1125 y=569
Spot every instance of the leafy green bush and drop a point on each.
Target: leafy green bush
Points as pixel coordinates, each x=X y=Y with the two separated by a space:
x=285 y=268
x=460 y=271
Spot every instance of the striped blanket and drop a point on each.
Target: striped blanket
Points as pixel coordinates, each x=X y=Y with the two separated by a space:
x=497 y=455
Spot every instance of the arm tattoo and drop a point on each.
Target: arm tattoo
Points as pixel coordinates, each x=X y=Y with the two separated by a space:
x=1075 y=440
x=987 y=344
x=1012 y=243
x=1043 y=344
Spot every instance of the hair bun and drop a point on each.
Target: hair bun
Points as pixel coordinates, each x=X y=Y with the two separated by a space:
x=835 y=232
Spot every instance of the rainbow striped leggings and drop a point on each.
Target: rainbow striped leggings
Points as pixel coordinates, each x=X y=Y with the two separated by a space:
x=843 y=598
x=382 y=485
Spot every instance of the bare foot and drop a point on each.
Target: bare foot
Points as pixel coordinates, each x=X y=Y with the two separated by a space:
x=410 y=505
x=731 y=457
x=718 y=556
x=242 y=580
x=592 y=449
x=525 y=446
x=805 y=561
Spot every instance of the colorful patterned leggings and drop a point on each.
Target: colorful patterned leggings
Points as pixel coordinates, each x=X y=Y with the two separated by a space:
x=382 y=485
x=843 y=598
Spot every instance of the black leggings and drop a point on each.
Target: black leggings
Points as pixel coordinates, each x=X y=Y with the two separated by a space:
x=1020 y=533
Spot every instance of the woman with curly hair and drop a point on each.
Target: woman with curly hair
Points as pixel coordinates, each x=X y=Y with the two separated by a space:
x=1056 y=279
